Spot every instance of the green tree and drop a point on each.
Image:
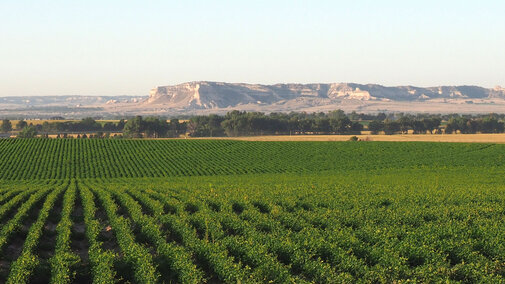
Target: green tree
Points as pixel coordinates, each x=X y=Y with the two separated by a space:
x=236 y=123
x=491 y=125
x=174 y=127
x=133 y=127
x=341 y=125
x=452 y=126
x=214 y=125
x=337 y=114
x=109 y=126
x=89 y=123
x=154 y=127
x=376 y=126
x=356 y=127
x=121 y=124
x=321 y=125
x=21 y=124
x=6 y=126
x=391 y=127
x=205 y=126
x=418 y=126
x=431 y=124
x=28 y=132
x=405 y=122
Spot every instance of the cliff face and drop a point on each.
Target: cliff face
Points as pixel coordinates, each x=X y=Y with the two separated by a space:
x=214 y=95
x=205 y=95
x=219 y=98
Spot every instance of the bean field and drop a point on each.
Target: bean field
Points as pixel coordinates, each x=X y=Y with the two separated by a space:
x=221 y=211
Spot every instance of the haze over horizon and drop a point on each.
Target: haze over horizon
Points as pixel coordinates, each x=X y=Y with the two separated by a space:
x=129 y=47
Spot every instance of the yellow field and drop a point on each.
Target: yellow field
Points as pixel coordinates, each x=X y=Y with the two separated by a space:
x=462 y=138
x=102 y=121
x=466 y=138
x=37 y=121
x=41 y=121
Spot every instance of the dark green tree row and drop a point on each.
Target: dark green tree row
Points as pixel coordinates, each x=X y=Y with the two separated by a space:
x=237 y=123
x=137 y=127
x=466 y=125
x=404 y=124
x=456 y=124
x=26 y=131
x=6 y=126
x=381 y=116
x=85 y=125
x=152 y=127
x=241 y=123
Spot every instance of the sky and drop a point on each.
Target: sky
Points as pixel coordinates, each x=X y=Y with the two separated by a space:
x=128 y=47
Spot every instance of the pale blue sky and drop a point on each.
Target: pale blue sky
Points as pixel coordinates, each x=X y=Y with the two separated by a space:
x=127 y=47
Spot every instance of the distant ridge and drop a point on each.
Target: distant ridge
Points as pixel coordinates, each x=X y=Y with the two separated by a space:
x=215 y=95
x=203 y=97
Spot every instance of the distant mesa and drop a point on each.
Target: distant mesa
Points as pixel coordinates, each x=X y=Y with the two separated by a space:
x=205 y=97
x=215 y=95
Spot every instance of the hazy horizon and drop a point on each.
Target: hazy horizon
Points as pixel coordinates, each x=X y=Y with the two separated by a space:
x=128 y=47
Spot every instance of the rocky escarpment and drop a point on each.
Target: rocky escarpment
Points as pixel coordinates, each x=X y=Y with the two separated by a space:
x=215 y=95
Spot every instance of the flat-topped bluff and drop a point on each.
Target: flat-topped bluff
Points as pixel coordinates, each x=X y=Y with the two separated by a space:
x=213 y=95
x=203 y=97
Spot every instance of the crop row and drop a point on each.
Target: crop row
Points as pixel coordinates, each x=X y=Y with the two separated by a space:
x=24 y=159
x=330 y=229
x=429 y=231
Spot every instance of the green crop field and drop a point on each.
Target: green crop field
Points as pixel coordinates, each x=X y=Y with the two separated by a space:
x=221 y=211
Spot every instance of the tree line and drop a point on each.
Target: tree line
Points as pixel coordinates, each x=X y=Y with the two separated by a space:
x=241 y=123
x=404 y=124
x=61 y=128
x=455 y=124
x=137 y=127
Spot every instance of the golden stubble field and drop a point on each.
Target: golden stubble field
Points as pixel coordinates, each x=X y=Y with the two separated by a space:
x=463 y=138
x=41 y=121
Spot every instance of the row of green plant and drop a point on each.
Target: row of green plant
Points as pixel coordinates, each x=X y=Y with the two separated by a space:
x=101 y=260
x=21 y=269
x=311 y=212
x=178 y=265
x=65 y=159
x=215 y=226
x=137 y=256
x=15 y=222
x=196 y=224
x=277 y=228
x=213 y=257
x=64 y=258
x=239 y=123
x=379 y=229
